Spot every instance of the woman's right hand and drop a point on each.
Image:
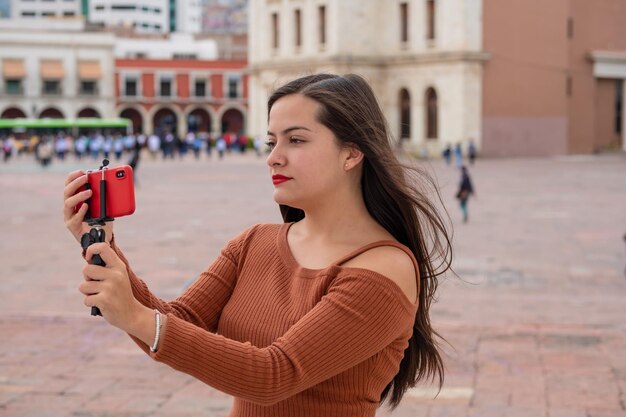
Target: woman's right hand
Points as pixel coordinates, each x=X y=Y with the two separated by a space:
x=74 y=218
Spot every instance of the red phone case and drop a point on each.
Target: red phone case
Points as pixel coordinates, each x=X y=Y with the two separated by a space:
x=120 y=190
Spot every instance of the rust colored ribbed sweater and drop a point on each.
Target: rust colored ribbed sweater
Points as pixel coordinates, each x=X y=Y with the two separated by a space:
x=286 y=341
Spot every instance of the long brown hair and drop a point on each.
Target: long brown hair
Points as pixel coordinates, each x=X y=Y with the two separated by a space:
x=396 y=196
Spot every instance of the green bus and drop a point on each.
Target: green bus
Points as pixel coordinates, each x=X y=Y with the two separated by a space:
x=73 y=126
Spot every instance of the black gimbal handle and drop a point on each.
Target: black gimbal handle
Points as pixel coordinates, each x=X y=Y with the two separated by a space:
x=88 y=239
x=97 y=235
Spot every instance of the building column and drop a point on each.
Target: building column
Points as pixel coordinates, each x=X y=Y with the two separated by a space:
x=183 y=128
x=148 y=127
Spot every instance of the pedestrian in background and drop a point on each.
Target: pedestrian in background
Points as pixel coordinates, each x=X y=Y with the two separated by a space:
x=326 y=314
x=7 y=147
x=471 y=151
x=221 y=146
x=45 y=151
x=466 y=189
x=458 y=155
x=447 y=154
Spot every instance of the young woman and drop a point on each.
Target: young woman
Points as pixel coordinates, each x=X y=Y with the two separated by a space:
x=324 y=315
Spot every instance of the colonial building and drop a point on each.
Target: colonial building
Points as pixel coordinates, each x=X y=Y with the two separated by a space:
x=517 y=77
x=56 y=74
x=173 y=83
x=181 y=95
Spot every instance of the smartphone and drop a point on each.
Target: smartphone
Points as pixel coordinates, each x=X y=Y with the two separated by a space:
x=120 y=192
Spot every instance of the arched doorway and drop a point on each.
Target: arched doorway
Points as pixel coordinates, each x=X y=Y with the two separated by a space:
x=51 y=113
x=199 y=120
x=165 y=121
x=432 y=114
x=12 y=113
x=405 y=114
x=232 y=121
x=89 y=112
x=135 y=117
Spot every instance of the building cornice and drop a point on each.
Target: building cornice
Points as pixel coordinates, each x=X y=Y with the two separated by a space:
x=61 y=39
x=608 y=64
x=608 y=56
x=403 y=59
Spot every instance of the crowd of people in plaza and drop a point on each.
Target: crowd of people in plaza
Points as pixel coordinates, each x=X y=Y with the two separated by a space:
x=115 y=146
x=448 y=153
x=97 y=144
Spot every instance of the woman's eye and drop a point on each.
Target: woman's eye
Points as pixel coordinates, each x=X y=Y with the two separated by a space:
x=270 y=144
x=295 y=140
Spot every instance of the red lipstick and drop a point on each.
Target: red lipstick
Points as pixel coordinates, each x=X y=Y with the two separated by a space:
x=279 y=179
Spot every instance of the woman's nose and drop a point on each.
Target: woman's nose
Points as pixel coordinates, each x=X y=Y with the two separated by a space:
x=275 y=158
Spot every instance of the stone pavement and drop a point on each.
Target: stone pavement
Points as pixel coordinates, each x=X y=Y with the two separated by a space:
x=535 y=320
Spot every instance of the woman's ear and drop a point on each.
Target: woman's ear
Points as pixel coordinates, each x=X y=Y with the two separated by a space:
x=353 y=157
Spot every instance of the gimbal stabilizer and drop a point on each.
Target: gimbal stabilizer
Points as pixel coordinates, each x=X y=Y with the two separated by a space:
x=96 y=234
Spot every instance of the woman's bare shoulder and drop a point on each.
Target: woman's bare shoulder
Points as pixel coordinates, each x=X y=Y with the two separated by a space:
x=392 y=262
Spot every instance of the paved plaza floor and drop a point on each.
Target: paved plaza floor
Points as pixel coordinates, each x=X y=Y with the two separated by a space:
x=535 y=320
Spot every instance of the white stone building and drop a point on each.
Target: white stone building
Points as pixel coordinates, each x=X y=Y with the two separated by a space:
x=56 y=74
x=188 y=16
x=147 y=16
x=175 y=46
x=144 y=16
x=422 y=57
x=29 y=9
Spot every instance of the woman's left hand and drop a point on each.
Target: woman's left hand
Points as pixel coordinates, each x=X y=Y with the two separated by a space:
x=108 y=287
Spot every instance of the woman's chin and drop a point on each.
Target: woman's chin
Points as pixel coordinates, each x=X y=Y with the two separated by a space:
x=281 y=198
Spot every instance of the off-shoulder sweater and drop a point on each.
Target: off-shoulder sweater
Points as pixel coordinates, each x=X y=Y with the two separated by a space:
x=283 y=340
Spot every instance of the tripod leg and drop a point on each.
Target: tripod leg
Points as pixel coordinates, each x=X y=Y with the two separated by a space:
x=87 y=240
x=97 y=260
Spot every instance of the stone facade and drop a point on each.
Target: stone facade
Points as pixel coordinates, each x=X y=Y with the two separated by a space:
x=521 y=78
x=367 y=37
x=28 y=51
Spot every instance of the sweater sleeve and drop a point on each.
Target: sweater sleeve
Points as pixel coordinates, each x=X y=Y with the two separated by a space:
x=358 y=317
x=201 y=303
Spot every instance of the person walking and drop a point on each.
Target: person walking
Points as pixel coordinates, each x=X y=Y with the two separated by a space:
x=154 y=144
x=221 y=146
x=466 y=189
x=447 y=154
x=471 y=151
x=326 y=314
x=45 y=151
x=458 y=155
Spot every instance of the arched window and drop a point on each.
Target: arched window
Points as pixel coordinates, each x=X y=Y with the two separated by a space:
x=432 y=111
x=199 y=120
x=135 y=117
x=164 y=122
x=88 y=112
x=12 y=113
x=232 y=122
x=51 y=113
x=405 y=114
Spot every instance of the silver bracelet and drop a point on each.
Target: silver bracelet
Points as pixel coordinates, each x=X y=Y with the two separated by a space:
x=157 y=333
